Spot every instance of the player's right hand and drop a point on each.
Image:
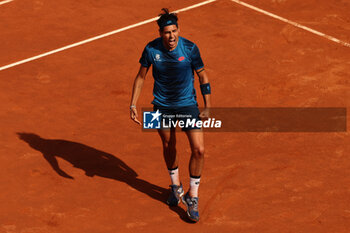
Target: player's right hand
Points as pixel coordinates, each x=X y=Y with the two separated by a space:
x=133 y=115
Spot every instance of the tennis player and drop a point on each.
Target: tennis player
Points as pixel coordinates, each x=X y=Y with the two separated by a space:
x=174 y=60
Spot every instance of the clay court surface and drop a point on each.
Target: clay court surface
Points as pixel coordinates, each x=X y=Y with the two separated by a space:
x=72 y=161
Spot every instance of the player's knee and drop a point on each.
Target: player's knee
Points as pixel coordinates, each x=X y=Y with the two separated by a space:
x=198 y=151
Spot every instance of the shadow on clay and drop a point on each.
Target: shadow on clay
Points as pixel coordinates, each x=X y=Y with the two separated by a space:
x=95 y=163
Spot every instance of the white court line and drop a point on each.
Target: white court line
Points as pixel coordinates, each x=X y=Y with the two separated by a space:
x=293 y=23
x=6 y=1
x=97 y=37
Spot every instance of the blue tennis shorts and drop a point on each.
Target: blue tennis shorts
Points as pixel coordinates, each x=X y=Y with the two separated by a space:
x=182 y=117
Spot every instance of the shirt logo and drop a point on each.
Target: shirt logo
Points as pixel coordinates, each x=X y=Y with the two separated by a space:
x=181 y=58
x=157 y=57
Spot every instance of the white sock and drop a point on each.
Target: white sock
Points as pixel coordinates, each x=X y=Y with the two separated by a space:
x=174 y=176
x=194 y=185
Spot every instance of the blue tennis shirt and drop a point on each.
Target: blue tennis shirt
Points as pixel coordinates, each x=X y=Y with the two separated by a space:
x=173 y=72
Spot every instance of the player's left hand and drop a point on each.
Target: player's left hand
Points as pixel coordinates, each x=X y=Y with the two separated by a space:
x=205 y=114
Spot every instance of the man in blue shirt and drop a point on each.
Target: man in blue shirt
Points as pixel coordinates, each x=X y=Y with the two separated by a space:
x=174 y=60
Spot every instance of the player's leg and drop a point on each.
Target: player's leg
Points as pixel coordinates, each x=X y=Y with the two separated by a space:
x=168 y=137
x=196 y=140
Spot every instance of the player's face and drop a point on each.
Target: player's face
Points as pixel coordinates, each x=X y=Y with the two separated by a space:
x=170 y=36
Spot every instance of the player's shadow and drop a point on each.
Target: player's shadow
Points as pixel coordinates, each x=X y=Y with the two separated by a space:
x=95 y=163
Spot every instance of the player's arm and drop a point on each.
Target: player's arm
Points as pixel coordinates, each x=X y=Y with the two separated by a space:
x=205 y=90
x=136 y=91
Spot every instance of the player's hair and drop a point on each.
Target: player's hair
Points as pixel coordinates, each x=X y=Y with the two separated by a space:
x=164 y=17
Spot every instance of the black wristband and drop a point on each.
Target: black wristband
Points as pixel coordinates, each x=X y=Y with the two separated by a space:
x=205 y=89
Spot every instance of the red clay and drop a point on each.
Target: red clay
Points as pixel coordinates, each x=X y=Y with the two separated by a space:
x=73 y=106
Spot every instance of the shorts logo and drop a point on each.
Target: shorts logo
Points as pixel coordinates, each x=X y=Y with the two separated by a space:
x=181 y=58
x=157 y=57
x=151 y=120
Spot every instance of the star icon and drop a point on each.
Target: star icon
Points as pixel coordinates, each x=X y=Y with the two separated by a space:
x=156 y=115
